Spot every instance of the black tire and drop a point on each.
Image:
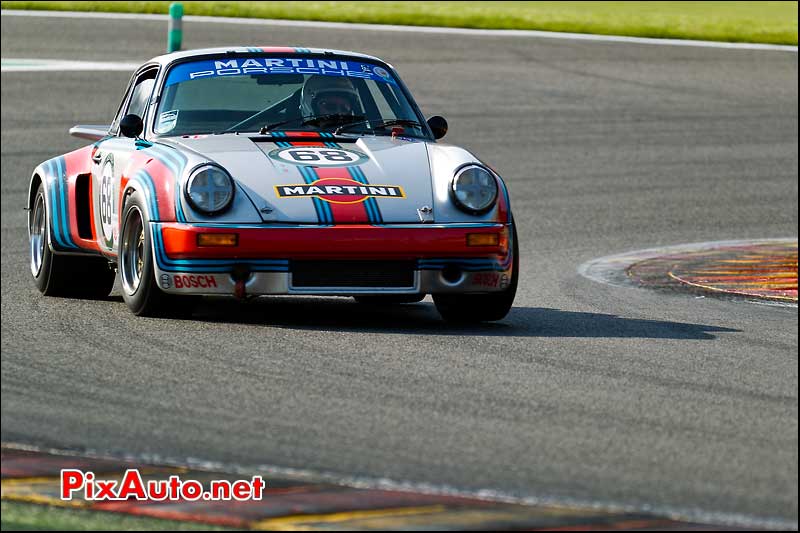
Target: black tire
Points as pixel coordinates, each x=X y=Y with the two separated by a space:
x=139 y=288
x=472 y=308
x=389 y=299
x=63 y=275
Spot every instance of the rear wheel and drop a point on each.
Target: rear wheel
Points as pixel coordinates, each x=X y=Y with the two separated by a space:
x=63 y=275
x=471 y=308
x=136 y=270
x=389 y=299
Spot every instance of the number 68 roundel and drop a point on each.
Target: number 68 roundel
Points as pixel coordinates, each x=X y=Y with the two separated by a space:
x=319 y=156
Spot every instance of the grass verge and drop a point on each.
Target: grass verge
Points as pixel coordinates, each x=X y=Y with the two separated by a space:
x=758 y=22
x=17 y=516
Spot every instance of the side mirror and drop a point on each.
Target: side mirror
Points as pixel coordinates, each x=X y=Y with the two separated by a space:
x=438 y=126
x=131 y=125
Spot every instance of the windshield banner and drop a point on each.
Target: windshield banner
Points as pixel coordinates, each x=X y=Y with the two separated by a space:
x=276 y=65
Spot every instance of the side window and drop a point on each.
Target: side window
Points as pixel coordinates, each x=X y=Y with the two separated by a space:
x=136 y=98
x=141 y=96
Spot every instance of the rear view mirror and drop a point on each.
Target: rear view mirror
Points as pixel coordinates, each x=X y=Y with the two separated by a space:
x=438 y=126
x=131 y=125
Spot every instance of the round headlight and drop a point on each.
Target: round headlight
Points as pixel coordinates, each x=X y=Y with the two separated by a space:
x=474 y=189
x=209 y=189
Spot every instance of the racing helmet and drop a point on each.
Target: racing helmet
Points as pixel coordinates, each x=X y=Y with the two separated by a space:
x=324 y=95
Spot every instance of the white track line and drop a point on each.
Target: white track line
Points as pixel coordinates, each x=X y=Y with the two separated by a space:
x=406 y=29
x=58 y=65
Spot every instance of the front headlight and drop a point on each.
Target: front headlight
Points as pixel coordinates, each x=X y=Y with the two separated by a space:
x=474 y=189
x=209 y=189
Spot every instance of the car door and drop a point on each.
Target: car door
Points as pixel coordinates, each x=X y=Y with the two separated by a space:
x=111 y=157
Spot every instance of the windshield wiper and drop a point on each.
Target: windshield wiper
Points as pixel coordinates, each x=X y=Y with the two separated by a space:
x=315 y=121
x=382 y=123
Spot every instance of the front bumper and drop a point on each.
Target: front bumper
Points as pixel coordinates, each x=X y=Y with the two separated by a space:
x=263 y=258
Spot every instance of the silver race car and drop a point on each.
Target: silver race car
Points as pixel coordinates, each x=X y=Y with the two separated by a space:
x=254 y=171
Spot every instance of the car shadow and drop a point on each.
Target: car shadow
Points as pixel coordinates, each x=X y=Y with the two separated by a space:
x=340 y=314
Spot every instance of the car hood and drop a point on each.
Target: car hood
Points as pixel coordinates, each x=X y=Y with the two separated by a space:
x=360 y=180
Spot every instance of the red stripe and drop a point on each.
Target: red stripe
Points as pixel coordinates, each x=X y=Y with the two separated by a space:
x=278 y=49
x=335 y=242
x=345 y=213
x=309 y=134
x=502 y=205
x=163 y=180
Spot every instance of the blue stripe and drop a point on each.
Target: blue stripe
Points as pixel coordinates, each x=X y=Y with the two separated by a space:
x=468 y=264
x=54 y=216
x=315 y=201
x=60 y=211
x=62 y=188
x=326 y=207
x=373 y=210
x=175 y=161
x=367 y=205
x=324 y=215
x=145 y=180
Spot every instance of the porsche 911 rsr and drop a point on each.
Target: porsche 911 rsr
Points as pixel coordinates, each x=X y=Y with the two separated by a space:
x=269 y=171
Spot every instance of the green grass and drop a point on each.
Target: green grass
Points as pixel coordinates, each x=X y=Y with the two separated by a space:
x=32 y=517
x=761 y=22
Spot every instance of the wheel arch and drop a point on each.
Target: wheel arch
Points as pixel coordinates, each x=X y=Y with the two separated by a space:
x=42 y=176
x=36 y=180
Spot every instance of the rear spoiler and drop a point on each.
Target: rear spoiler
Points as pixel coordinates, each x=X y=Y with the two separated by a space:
x=93 y=132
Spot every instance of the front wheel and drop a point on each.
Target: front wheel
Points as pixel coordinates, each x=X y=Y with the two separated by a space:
x=136 y=270
x=471 y=308
x=63 y=275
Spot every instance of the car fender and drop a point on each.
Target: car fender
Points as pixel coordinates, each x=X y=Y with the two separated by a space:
x=445 y=160
x=60 y=176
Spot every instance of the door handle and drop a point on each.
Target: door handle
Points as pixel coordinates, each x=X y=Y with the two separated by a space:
x=97 y=157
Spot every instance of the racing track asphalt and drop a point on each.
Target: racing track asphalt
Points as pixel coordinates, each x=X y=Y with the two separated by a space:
x=586 y=392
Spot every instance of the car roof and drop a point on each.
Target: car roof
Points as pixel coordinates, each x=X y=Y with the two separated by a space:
x=166 y=59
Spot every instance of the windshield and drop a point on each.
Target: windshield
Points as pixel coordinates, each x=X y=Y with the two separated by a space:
x=272 y=93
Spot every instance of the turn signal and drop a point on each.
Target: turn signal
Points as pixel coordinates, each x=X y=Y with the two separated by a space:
x=483 y=239
x=217 y=239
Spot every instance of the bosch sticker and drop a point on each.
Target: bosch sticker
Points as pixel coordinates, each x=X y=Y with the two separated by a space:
x=486 y=279
x=189 y=281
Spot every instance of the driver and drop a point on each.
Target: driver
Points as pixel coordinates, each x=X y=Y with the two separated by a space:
x=327 y=95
